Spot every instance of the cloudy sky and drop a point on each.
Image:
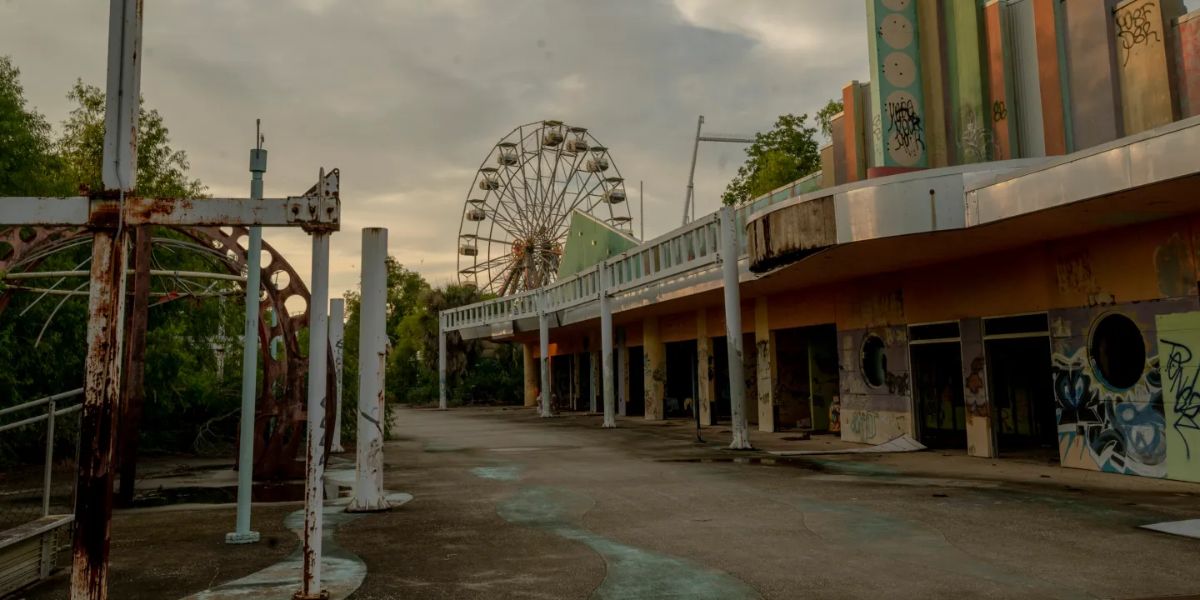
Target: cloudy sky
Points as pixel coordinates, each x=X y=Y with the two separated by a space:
x=407 y=97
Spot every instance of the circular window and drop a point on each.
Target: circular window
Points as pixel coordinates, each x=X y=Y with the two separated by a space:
x=1118 y=351
x=874 y=361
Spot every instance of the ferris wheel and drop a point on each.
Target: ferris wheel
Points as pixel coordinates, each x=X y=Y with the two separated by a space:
x=518 y=210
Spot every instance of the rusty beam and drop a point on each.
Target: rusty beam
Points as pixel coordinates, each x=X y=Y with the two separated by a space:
x=134 y=394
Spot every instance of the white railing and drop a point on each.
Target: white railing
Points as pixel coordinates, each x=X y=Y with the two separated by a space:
x=688 y=248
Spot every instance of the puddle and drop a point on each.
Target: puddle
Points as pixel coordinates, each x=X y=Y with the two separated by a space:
x=261 y=492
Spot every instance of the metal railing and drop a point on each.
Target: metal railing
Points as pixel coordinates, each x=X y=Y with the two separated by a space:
x=10 y=514
x=688 y=248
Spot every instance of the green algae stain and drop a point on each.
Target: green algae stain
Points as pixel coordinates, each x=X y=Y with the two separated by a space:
x=631 y=572
x=509 y=473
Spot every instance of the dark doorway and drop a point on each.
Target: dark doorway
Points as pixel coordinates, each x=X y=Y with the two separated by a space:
x=938 y=394
x=561 y=367
x=584 y=402
x=808 y=376
x=682 y=379
x=1021 y=394
x=635 y=405
x=720 y=353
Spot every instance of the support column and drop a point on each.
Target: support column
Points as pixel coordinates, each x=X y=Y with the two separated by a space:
x=318 y=360
x=606 y=358
x=764 y=342
x=242 y=533
x=623 y=380
x=106 y=313
x=733 y=329
x=544 y=356
x=337 y=327
x=372 y=356
x=531 y=376
x=654 y=354
x=594 y=382
x=981 y=437
x=706 y=379
x=441 y=363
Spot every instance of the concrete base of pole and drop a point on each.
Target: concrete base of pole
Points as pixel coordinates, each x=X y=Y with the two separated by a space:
x=249 y=537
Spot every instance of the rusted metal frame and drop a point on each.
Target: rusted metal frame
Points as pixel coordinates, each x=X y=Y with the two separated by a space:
x=109 y=210
x=134 y=395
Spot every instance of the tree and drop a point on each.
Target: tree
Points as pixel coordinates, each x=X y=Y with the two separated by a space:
x=825 y=117
x=782 y=155
x=28 y=164
x=162 y=170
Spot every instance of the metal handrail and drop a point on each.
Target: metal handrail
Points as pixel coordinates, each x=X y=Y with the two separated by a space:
x=41 y=401
x=52 y=412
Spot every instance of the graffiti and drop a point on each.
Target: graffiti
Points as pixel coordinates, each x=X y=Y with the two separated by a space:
x=1117 y=431
x=904 y=127
x=976 y=401
x=1187 y=397
x=877 y=129
x=1135 y=28
x=863 y=424
x=999 y=111
x=835 y=415
x=975 y=142
x=897 y=384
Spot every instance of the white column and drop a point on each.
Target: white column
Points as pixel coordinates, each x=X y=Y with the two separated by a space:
x=242 y=533
x=733 y=329
x=337 y=325
x=441 y=362
x=372 y=353
x=318 y=357
x=606 y=352
x=544 y=340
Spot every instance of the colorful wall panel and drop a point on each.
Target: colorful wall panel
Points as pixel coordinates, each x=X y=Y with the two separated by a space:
x=1179 y=365
x=896 y=98
x=1092 y=72
x=1187 y=32
x=841 y=163
x=1026 y=78
x=968 y=131
x=1047 y=24
x=1000 y=93
x=854 y=132
x=933 y=89
x=1144 y=62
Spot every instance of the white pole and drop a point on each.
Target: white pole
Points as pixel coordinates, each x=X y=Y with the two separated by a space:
x=318 y=356
x=606 y=351
x=372 y=354
x=733 y=329
x=441 y=362
x=242 y=533
x=337 y=341
x=544 y=338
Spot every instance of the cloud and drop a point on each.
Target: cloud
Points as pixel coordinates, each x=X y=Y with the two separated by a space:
x=407 y=98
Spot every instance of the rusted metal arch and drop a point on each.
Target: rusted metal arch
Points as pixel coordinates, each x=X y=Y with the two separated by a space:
x=280 y=417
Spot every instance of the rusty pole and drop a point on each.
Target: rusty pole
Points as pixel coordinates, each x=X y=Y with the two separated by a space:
x=106 y=299
x=318 y=359
x=134 y=390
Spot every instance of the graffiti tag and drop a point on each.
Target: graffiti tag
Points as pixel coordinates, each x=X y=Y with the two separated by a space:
x=1134 y=28
x=1187 y=398
x=904 y=125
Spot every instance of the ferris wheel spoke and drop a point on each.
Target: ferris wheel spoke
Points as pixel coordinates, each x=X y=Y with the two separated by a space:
x=579 y=197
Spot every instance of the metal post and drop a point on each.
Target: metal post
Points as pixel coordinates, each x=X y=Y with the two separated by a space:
x=133 y=394
x=318 y=357
x=441 y=362
x=606 y=350
x=642 y=208
x=242 y=533
x=106 y=310
x=337 y=341
x=733 y=329
x=46 y=473
x=687 y=201
x=544 y=341
x=372 y=354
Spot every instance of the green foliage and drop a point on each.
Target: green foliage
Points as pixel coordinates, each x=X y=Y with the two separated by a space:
x=28 y=163
x=780 y=156
x=162 y=170
x=825 y=117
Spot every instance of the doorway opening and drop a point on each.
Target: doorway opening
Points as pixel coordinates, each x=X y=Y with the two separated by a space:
x=635 y=404
x=808 y=376
x=936 y=355
x=1020 y=387
x=682 y=379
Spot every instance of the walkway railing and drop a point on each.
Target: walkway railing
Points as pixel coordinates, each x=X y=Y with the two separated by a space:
x=52 y=412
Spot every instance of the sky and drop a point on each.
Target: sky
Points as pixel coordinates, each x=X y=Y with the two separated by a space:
x=408 y=97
